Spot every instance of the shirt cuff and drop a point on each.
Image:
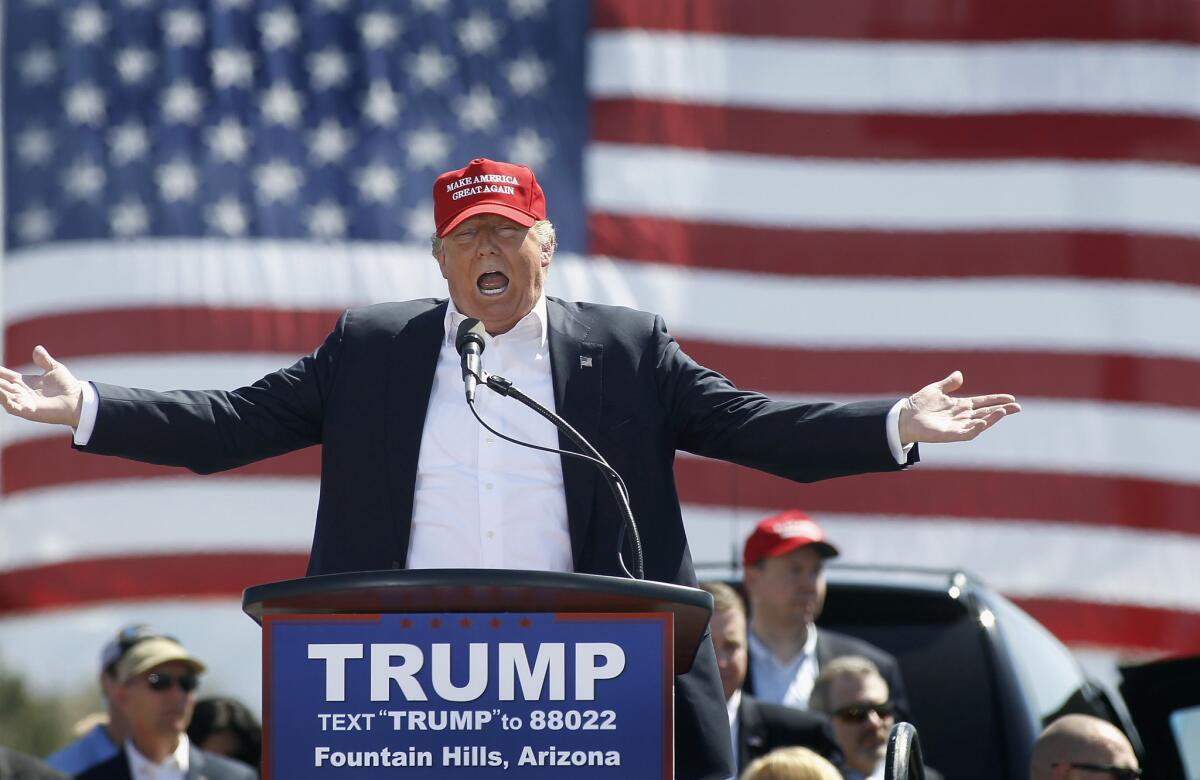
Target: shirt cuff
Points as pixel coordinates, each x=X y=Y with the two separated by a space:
x=899 y=451
x=87 y=415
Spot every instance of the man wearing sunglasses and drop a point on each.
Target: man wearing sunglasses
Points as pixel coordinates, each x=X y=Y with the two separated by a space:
x=1081 y=747
x=852 y=692
x=156 y=680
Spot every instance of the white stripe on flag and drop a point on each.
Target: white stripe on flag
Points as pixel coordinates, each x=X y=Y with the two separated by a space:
x=897 y=77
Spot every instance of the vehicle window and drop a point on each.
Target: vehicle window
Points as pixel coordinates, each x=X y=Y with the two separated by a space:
x=1047 y=671
x=1185 y=725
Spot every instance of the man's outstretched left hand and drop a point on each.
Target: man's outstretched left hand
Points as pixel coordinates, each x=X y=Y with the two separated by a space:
x=932 y=415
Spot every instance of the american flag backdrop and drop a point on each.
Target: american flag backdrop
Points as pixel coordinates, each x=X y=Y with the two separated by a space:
x=834 y=200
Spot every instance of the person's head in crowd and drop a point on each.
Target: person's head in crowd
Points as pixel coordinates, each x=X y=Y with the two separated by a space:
x=1082 y=747
x=110 y=655
x=493 y=242
x=855 y=696
x=784 y=571
x=728 y=630
x=156 y=680
x=791 y=763
x=227 y=727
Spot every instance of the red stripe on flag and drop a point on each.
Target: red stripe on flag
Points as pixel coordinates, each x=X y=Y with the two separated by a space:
x=898 y=136
x=1065 y=375
x=926 y=492
x=95 y=580
x=882 y=372
x=169 y=329
x=908 y=254
x=1117 y=625
x=918 y=20
x=50 y=462
x=1087 y=501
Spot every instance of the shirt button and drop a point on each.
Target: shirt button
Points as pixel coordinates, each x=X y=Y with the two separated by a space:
x=491 y=440
x=488 y=486
x=491 y=535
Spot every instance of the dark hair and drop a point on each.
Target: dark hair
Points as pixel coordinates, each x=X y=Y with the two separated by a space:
x=221 y=713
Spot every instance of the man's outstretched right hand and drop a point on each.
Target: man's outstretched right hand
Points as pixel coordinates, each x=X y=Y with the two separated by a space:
x=54 y=396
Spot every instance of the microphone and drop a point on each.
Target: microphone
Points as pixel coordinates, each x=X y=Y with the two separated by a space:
x=469 y=343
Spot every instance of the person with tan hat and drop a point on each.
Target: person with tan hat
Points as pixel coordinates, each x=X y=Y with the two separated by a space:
x=408 y=479
x=156 y=679
x=784 y=574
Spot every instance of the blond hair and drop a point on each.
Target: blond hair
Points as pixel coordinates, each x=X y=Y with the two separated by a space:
x=725 y=598
x=791 y=763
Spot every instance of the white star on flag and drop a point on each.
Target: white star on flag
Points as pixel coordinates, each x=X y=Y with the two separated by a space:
x=280 y=28
x=35 y=224
x=129 y=218
x=278 y=180
x=84 y=105
x=329 y=142
x=184 y=27
x=328 y=68
x=87 y=24
x=229 y=140
x=135 y=64
x=430 y=68
x=177 y=181
x=37 y=65
x=232 y=68
x=527 y=75
x=34 y=146
x=281 y=105
x=377 y=183
x=127 y=142
x=477 y=110
x=182 y=103
x=228 y=216
x=428 y=148
x=379 y=29
x=327 y=220
x=382 y=104
x=478 y=33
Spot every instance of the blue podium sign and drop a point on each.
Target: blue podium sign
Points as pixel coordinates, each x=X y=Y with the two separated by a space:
x=468 y=695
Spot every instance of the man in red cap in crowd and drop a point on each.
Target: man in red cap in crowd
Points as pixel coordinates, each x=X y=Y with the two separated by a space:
x=409 y=481
x=784 y=576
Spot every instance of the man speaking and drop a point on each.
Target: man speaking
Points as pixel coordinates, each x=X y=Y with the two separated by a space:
x=409 y=479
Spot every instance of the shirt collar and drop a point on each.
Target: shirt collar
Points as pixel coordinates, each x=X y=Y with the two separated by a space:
x=535 y=322
x=759 y=650
x=138 y=763
x=731 y=706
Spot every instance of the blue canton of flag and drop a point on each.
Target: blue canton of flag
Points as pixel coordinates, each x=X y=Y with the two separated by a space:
x=319 y=120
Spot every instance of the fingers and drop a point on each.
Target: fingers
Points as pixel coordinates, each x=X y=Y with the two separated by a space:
x=43 y=360
x=9 y=374
x=951 y=383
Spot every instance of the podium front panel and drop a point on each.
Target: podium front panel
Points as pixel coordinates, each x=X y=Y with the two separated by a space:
x=470 y=695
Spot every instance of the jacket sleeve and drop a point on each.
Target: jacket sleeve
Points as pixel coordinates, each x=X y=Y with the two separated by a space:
x=215 y=430
x=800 y=441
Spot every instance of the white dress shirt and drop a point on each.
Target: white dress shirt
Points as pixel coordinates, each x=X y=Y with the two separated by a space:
x=482 y=502
x=786 y=681
x=173 y=767
x=732 y=705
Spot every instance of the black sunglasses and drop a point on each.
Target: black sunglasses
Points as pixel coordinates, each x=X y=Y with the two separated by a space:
x=858 y=713
x=1118 y=772
x=161 y=682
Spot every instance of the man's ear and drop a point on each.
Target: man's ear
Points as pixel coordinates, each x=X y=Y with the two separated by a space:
x=548 y=252
x=440 y=256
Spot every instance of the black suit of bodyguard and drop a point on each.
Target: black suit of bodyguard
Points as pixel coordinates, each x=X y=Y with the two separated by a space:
x=638 y=399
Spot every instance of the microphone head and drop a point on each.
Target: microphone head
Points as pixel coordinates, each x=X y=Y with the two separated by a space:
x=471 y=329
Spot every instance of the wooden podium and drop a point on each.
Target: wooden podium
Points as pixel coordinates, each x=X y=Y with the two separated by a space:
x=368 y=671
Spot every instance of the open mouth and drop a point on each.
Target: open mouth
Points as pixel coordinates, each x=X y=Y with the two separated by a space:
x=492 y=283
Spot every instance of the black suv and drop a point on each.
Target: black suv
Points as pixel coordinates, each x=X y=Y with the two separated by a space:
x=984 y=677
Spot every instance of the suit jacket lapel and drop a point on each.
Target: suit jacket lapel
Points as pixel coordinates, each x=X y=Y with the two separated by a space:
x=750 y=731
x=576 y=367
x=410 y=381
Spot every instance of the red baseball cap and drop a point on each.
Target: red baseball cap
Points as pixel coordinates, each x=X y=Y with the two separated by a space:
x=487 y=187
x=780 y=534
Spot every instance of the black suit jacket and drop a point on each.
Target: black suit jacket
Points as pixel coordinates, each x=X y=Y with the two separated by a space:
x=763 y=726
x=18 y=766
x=201 y=766
x=619 y=379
